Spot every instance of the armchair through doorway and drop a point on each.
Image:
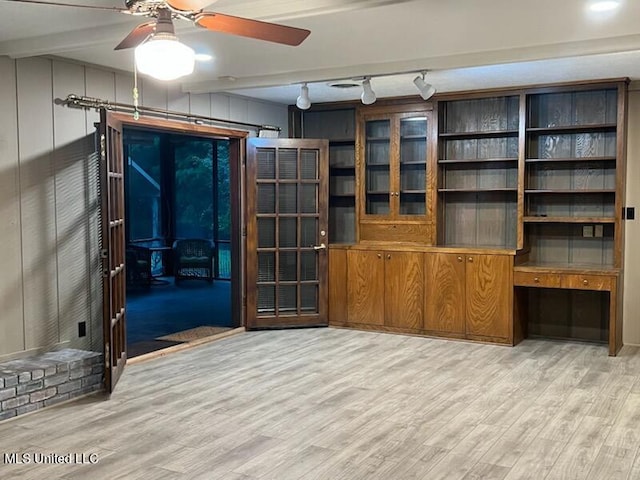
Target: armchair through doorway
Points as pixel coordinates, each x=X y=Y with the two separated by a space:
x=193 y=258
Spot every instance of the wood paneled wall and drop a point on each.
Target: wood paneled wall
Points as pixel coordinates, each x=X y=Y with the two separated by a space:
x=49 y=257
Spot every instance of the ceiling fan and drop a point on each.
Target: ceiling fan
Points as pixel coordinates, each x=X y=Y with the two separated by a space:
x=163 y=12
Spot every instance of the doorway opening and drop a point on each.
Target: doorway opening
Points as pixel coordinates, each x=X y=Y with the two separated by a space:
x=178 y=201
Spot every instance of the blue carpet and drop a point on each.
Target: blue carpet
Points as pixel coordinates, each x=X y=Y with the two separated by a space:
x=165 y=308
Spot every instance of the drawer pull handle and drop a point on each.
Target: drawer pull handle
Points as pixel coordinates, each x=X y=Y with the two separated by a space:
x=388 y=257
x=459 y=259
x=379 y=255
x=536 y=279
x=585 y=282
x=470 y=259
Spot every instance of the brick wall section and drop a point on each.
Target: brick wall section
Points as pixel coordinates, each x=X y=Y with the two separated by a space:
x=32 y=383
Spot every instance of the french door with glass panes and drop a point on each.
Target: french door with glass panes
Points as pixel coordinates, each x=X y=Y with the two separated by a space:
x=287 y=219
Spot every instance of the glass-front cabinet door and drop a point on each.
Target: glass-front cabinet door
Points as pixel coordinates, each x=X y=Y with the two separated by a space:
x=412 y=195
x=377 y=162
x=395 y=164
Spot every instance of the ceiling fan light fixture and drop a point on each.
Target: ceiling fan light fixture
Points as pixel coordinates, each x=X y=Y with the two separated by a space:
x=426 y=89
x=368 y=95
x=164 y=57
x=303 y=102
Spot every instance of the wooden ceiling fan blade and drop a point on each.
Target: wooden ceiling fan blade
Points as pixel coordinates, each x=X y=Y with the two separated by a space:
x=190 y=5
x=137 y=36
x=245 y=27
x=76 y=5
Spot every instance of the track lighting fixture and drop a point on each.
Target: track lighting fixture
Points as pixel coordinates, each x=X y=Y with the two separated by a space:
x=368 y=95
x=426 y=89
x=303 y=102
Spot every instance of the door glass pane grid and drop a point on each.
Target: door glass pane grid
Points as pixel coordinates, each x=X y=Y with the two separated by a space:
x=309 y=298
x=308 y=266
x=288 y=299
x=266 y=159
x=291 y=203
x=266 y=198
x=288 y=232
x=287 y=164
x=309 y=164
x=266 y=301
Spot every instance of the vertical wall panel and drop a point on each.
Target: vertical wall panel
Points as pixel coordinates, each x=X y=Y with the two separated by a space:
x=71 y=147
x=11 y=316
x=178 y=101
x=37 y=199
x=200 y=104
x=154 y=93
x=124 y=88
x=238 y=108
x=265 y=113
x=98 y=84
x=221 y=107
x=631 y=327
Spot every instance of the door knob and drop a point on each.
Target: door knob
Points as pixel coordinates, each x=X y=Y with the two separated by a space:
x=322 y=246
x=470 y=259
x=459 y=259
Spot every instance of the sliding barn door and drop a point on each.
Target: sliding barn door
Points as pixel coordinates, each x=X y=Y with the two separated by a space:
x=287 y=215
x=113 y=248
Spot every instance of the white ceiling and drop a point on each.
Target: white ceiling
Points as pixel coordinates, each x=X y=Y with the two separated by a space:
x=465 y=44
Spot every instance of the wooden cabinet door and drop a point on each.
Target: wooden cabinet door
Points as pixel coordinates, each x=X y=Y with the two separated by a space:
x=445 y=284
x=365 y=289
x=404 y=289
x=337 y=286
x=489 y=295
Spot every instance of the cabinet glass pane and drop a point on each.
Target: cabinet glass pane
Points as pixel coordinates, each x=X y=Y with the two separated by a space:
x=377 y=166
x=413 y=165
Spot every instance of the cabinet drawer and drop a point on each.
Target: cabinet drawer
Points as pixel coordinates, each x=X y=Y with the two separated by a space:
x=387 y=232
x=530 y=279
x=587 y=282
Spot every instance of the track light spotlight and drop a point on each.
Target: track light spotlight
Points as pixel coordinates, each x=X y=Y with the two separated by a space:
x=426 y=90
x=368 y=96
x=303 y=102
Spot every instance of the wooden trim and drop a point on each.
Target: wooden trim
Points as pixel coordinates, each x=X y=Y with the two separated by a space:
x=180 y=127
x=522 y=154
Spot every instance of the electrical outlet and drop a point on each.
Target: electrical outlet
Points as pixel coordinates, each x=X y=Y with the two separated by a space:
x=587 y=231
x=598 y=231
x=630 y=213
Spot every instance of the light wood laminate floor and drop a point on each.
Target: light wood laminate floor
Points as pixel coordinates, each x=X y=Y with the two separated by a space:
x=331 y=404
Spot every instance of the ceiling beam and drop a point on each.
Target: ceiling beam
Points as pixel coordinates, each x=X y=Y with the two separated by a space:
x=629 y=43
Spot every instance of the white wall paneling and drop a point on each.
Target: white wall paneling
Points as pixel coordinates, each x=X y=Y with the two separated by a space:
x=12 y=317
